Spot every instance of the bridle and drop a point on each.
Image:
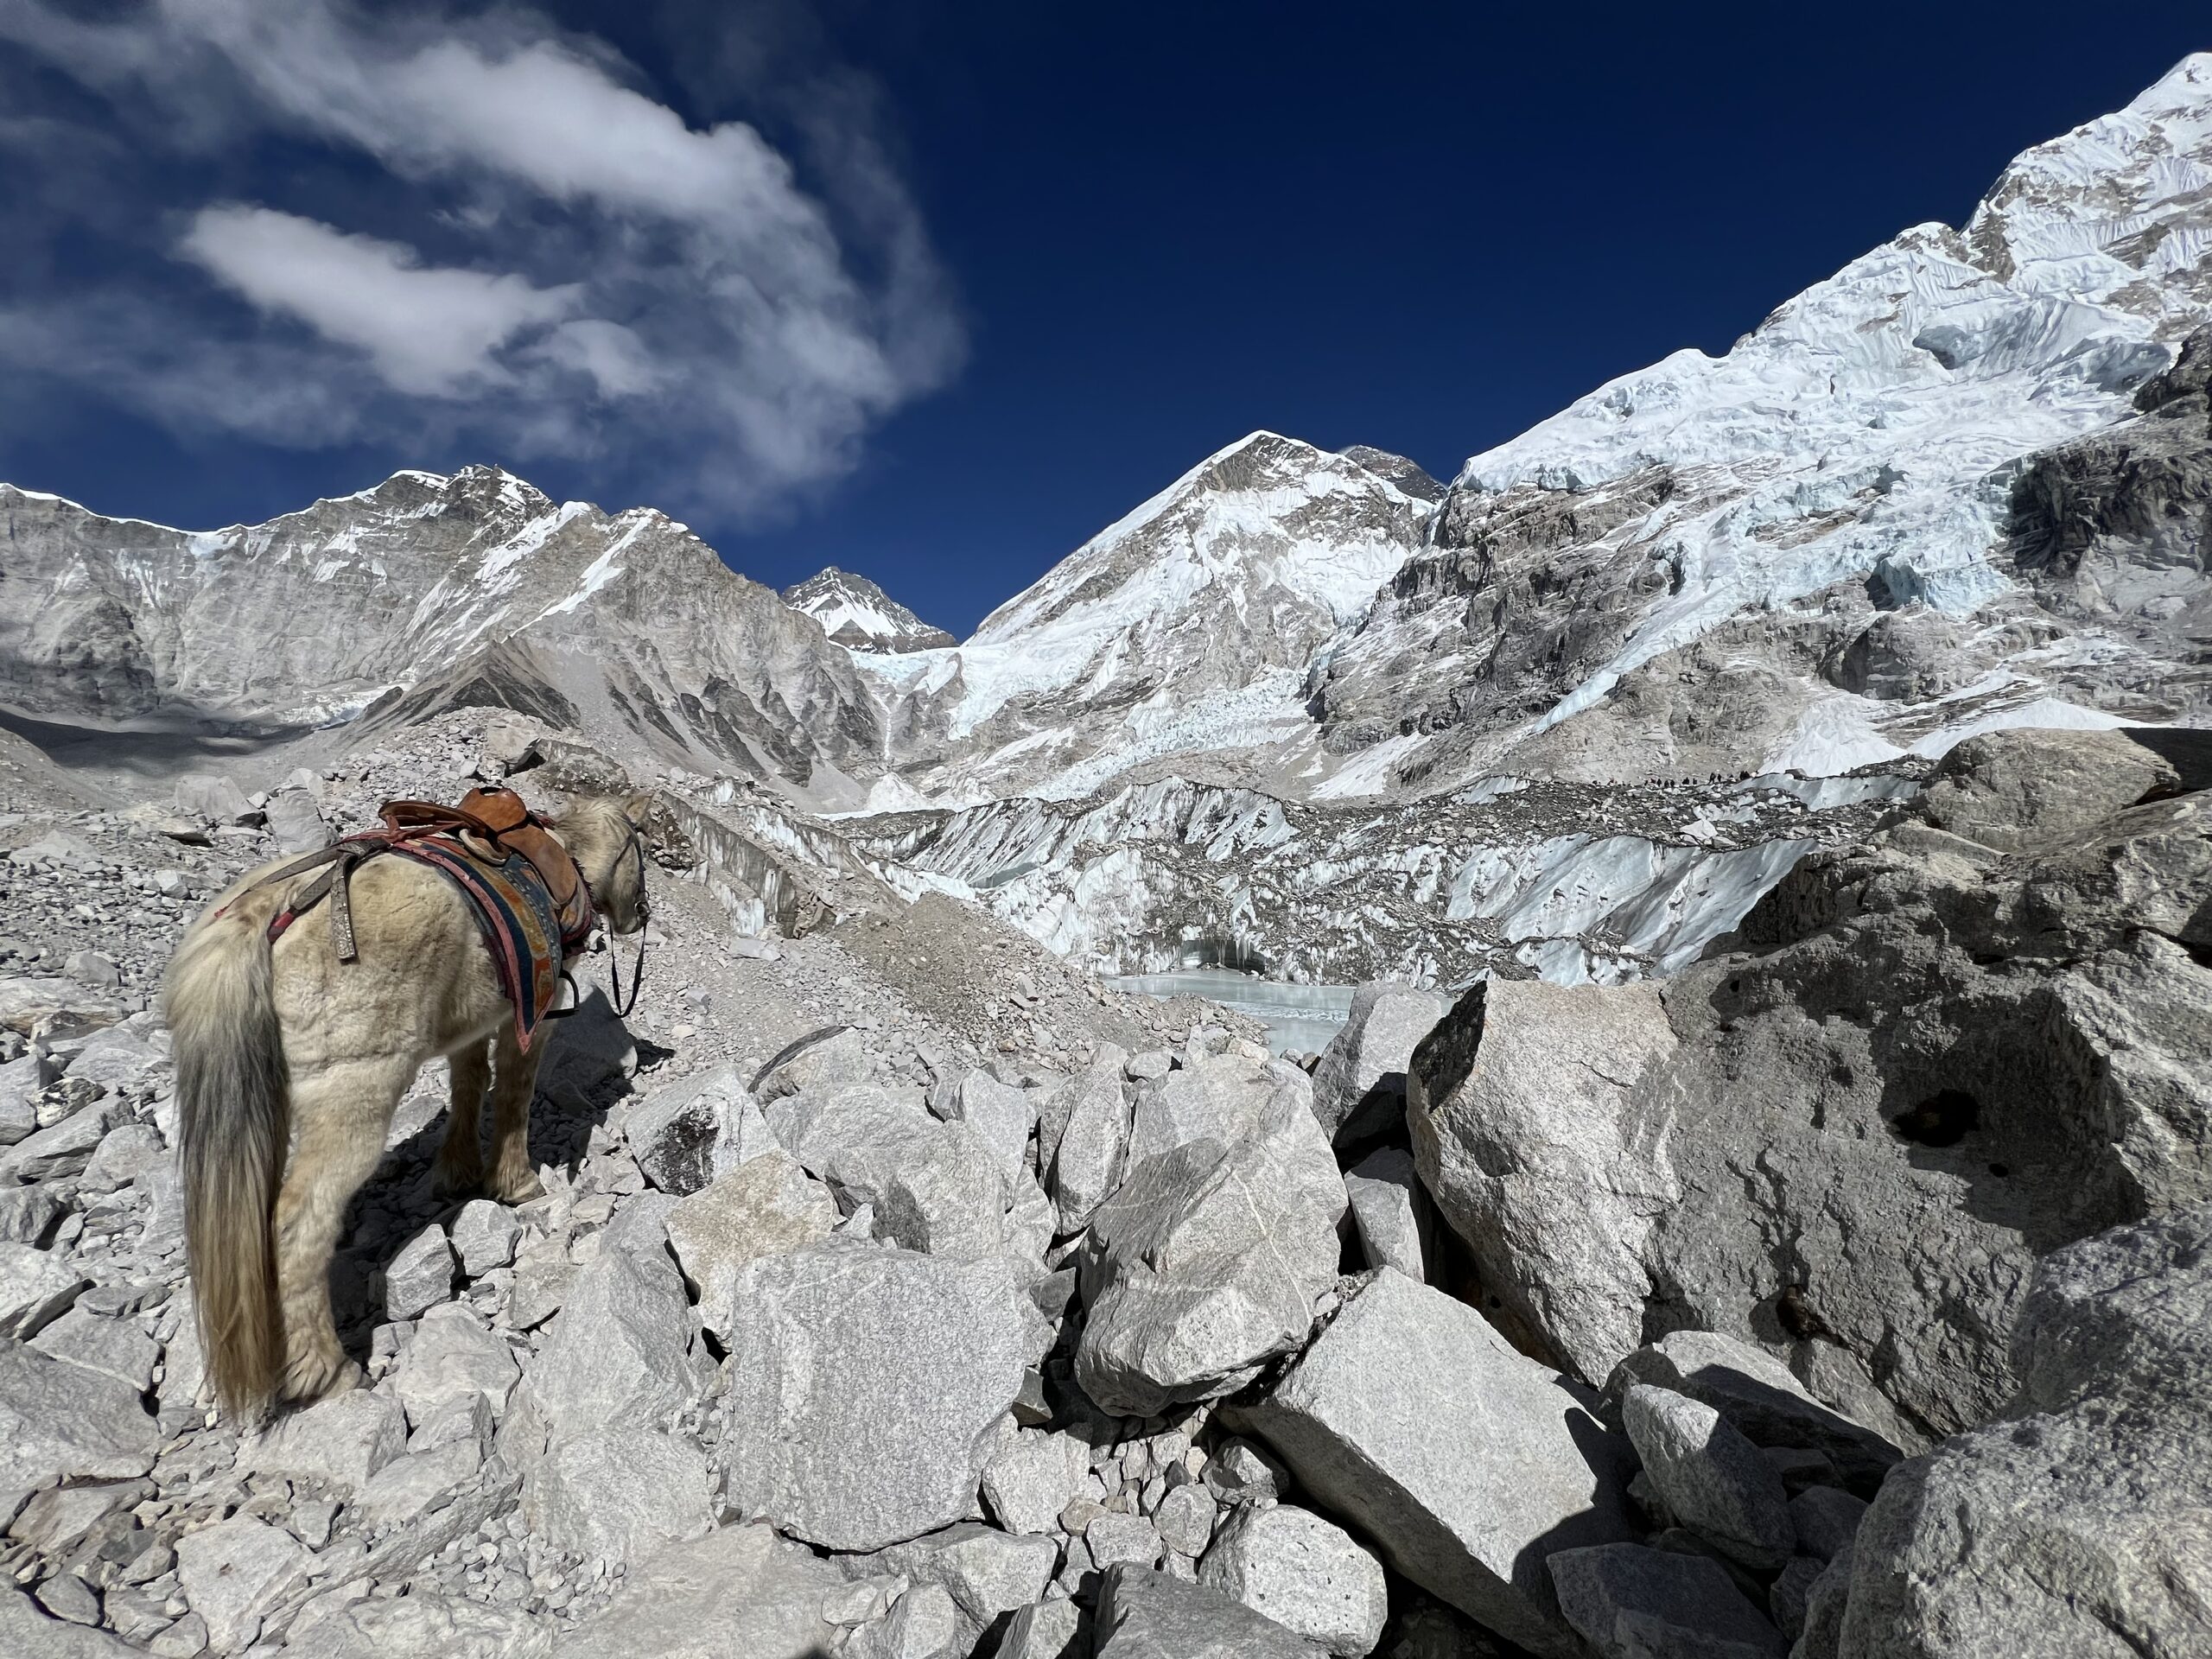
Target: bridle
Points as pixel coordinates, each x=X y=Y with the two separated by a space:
x=633 y=844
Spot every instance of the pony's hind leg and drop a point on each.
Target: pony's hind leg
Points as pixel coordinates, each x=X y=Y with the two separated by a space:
x=342 y=1114
x=459 y=1171
x=514 y=1084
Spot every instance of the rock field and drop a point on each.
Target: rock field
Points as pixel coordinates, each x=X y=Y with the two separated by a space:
x=900 y=1291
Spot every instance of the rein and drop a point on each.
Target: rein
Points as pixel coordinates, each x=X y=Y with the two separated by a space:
x=635 y=844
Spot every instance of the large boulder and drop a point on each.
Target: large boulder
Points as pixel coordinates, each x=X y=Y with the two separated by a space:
x=986 y=1573
x=1359 y=1087
x=619 y=1350
x=1918 y=1067
x=618 y=1494
x=2011 y=789
x=1084 y=1131
x=1307 y=1574
x=1633 y=1603
x=863 y=1386
x=1462 y=1460
x=1759 y=1397
x=1711 y=1478
x=687 y=1132
x=1146 y=1615
x=1210 y=1256
x=738 y=1593
x=61 y=1422
x=2080 y=1522
x=766 y=1206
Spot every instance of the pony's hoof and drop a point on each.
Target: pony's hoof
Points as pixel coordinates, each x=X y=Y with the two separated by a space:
x=519 y=1188
x=318 y=1377
x=449 y=1183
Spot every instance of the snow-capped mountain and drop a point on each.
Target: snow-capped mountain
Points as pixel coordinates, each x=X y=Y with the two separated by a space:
x=1816 y=551
x=859 y=615
x=420 y=593
x=1695 y=564
x=1185 y=627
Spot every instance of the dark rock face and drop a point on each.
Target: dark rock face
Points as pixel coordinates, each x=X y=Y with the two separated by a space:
x=1928 y=1065
x=2117 y=529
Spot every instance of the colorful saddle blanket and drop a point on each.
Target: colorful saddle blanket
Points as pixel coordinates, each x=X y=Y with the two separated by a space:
x=515 y=914
x=529 y=929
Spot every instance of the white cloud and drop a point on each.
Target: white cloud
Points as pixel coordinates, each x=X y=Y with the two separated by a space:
x=541 y=243
x=431 y=333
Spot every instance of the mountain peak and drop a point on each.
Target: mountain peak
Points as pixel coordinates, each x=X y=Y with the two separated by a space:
x=859 y=615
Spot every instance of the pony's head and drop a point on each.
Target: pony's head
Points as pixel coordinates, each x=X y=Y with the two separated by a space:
x=606 y=835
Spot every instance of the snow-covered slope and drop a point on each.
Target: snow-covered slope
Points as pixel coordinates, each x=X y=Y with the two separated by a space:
x=422 y=592
x=1854 y=456
x=1186 y=625
x=859 y=615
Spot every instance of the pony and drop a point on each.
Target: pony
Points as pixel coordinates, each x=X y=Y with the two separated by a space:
x=283 y=1046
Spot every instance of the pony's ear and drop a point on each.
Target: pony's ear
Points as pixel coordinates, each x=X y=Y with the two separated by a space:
x=636 y=807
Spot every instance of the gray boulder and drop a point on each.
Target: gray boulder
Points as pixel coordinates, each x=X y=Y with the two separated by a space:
x=740 y=1591
x=1034 y=1476
x=61 y=1422
x=212 y=798
x=25 y=1629
x=1045 y=1629
x=420 y=1276
x=235 y=1573
x=857 y=1138
x=1309 y=1576
x=1388 y=1213
x=685 y=1134
x=424 y=1623
x=1633 y=1603
x=950 y=1200
x=987 y=1572
x=1827 y=1521
x=114 y=1347
x=1210 y=1256
x=484 y=1234
x=863 y=1386
x=455 y=1358
x=619 y=1349
x=2080 y=1522
x=1145 y=1615
x=2012 y=789
x=766 y=1206
x=618 y=1494
x=1001 y=1115
x=1758 y=1396
x=1088 y=1120
x=297 y=823
x=1922 y=1065
x=1468 y=1515
x=340 y=1441
x=1359 y=1087
x=1711 y=1478
x=36 y=1287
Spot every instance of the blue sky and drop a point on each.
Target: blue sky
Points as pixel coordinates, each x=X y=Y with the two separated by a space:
x=934 y=292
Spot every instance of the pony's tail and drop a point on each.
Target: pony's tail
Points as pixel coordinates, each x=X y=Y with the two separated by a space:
x=234 y=1100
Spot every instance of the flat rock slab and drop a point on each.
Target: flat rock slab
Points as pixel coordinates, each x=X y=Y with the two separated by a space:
x=863 y=1386
x=341 y=1441
x=619 y=1351
x=1145 y=1615
x=59 y=1421
x=1463 y=1461
x=1633 y=1603
x=740 y=1593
